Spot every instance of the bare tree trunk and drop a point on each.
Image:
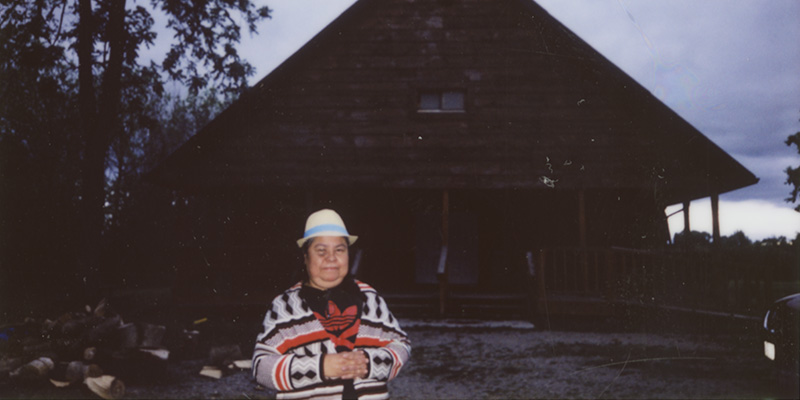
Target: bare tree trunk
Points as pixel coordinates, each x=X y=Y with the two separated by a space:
x=100 y=121
x=87 y=100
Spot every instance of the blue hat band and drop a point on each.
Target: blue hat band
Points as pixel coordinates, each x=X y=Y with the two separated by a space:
x=325 y=228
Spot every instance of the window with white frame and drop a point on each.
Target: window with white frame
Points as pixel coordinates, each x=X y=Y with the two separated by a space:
x=441 y=101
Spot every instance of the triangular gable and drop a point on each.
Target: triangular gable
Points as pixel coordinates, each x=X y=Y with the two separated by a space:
x=542 y=110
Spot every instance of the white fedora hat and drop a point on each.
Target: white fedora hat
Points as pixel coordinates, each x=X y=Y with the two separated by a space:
x=325 y=223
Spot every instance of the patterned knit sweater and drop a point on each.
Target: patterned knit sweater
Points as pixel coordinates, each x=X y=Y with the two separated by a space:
x=288 y=353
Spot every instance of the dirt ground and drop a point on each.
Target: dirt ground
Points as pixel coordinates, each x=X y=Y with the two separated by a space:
x=475 y=363
x=469 y=359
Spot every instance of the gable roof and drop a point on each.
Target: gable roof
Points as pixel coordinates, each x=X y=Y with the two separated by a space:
x=543 y=109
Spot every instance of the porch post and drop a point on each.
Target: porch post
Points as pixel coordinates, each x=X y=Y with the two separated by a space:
x=442 y=268
x=715 y=217
x=445 y=217
x=686 y=227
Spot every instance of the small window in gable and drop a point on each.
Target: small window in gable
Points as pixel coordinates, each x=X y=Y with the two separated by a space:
x=441 y=101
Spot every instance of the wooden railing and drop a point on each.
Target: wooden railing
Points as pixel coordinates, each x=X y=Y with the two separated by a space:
x=702 y=280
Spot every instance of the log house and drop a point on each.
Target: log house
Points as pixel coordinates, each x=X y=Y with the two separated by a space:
x=455 y=137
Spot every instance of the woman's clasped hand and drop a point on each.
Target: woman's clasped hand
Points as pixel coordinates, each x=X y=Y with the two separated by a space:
x=347 y=365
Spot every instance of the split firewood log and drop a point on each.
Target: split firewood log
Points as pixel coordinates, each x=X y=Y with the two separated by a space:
x=152 y=335
x=90 y=353
x=211 y=371
x=100 y=354
x=156 y=353
x=8 y=364
x=67 y=373
x=101 y=309
x=103 y=328
x=78 y=371
x=35 y=345
x=241 y=364
x=72 y=340
x=106 y=386
x=59 y=384
x=59 y=322
x=127 y=336
x=75 y=325
x=38 y=349
x=59 y=372
x=34 y=370
x=222 y=356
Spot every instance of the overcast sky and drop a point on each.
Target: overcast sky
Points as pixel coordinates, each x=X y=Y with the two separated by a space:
x=731 y=68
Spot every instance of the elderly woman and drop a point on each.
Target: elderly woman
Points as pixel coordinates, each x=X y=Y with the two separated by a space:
x=329 y=335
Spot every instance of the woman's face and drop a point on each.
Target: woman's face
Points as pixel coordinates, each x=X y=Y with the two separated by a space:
x=326 y=262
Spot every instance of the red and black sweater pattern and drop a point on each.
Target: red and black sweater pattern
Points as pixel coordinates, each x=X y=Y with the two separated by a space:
x=288 y=353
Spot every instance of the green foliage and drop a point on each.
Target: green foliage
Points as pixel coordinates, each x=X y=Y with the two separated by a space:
x=40 y=146
x=793 y=174
x=156 y=129
x=205 y=33
x=737 y=240
x=44 y=139
x=702 y=241
x=779 y=253
x=694 y=240
x=780 y=241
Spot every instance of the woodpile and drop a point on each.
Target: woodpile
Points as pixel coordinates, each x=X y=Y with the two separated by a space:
x=94 y=347
x=99 y=351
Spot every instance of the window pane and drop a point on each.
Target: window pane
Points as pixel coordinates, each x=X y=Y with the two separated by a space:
x=453 y=101
x=429 y=101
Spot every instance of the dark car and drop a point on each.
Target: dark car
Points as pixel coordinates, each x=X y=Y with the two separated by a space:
x=781 y=337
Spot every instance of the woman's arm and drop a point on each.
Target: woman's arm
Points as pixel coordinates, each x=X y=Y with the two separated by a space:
x=287 y=326
x=285 y=372
x=380 y=336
